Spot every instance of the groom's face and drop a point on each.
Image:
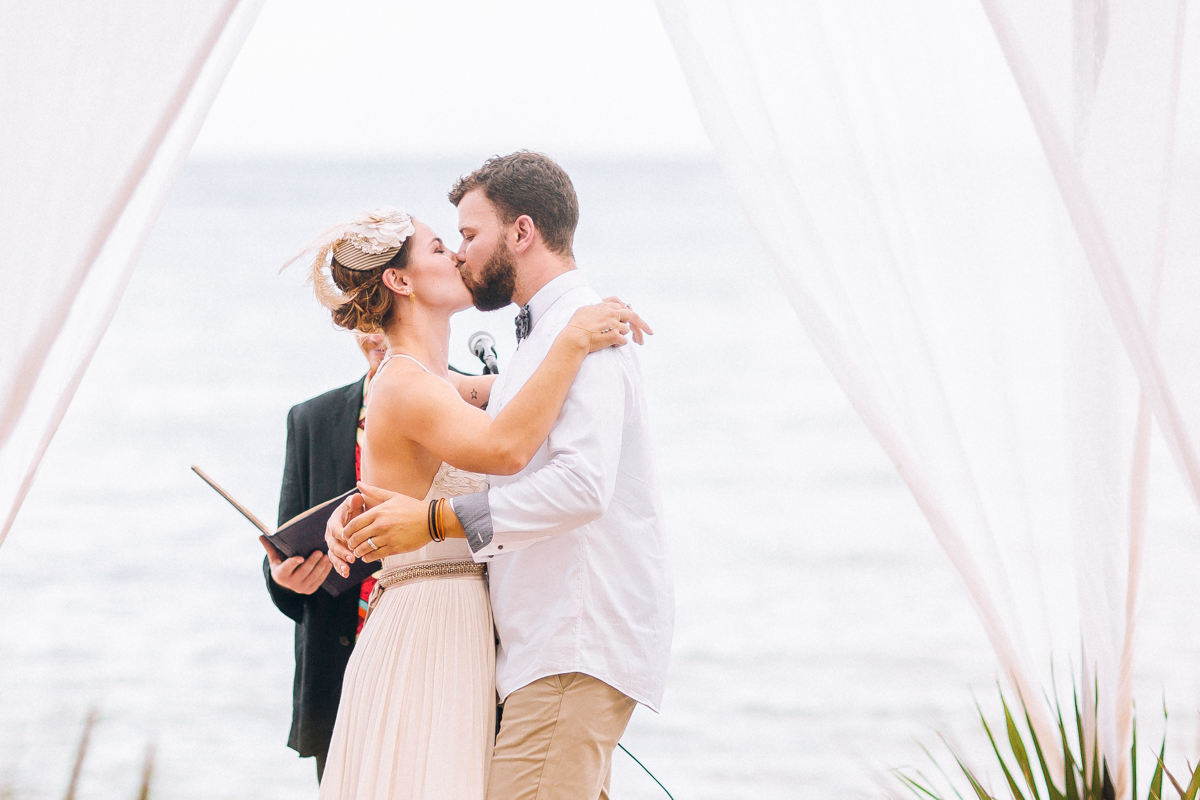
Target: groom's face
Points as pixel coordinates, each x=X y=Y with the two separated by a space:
x=488 y=266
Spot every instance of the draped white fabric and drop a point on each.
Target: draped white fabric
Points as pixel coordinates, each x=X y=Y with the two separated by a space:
x=99 y=106
x=985 y=216
x=976 y=258
x=1107 y=88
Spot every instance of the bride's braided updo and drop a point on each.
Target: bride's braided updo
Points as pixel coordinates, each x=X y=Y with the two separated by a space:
x=350 y=259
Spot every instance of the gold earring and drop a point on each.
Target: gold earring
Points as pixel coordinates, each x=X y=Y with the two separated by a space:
x=412 y=297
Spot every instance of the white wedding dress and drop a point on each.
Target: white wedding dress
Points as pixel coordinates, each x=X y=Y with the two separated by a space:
x=417 y=718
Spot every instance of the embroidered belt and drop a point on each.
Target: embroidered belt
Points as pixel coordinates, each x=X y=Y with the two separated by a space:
x=416 y=572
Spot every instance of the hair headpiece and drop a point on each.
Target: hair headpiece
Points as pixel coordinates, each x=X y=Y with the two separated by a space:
x=364 y=243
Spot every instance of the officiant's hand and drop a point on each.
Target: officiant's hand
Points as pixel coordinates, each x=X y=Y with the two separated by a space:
x=636 y=323
x=340 y=556
x=393 y=523
x=300 y=575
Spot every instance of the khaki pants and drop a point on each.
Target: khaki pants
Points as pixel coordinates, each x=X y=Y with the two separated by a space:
x=557 y=738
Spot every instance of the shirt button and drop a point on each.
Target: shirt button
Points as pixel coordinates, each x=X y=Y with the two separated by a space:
x=499 y=547
x=345 y=640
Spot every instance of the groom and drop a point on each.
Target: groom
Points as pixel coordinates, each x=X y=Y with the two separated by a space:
x=580 y=585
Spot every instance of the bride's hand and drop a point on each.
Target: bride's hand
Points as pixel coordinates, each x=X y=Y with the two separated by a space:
x=339 y=554
x=636 y=323
x=607 y=325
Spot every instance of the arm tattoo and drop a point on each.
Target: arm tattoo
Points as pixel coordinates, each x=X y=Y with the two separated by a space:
x=474 y=395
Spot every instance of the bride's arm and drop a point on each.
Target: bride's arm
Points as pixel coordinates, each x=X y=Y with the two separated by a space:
x=430 y=411
x=475 y=389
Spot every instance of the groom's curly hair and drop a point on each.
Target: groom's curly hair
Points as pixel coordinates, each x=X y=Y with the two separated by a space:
x=526 y=183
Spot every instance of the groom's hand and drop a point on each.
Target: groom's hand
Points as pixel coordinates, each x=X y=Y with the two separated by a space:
x=393 y=523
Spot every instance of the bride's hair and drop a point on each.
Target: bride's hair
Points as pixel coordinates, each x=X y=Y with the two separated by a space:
x=349 y=260
x=358 y=298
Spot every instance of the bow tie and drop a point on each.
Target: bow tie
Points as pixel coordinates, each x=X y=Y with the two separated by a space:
x=523 y=323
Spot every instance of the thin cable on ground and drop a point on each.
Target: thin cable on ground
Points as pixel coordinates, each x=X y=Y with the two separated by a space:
x=648 y=772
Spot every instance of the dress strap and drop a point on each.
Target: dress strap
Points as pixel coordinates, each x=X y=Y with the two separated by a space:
x=383 y=364
x=390 y=356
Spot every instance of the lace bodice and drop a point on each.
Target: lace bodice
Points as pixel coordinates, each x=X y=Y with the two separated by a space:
x=448 y=482
x=451 y=482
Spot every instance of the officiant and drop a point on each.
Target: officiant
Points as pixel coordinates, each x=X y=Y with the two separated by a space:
x=322 y=461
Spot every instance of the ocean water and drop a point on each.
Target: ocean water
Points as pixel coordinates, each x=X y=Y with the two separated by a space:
x=820 y=637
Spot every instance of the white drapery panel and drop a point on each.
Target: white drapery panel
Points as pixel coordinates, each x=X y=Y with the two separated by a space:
x=978 y=301
x=1111 y=88
x=99 y=106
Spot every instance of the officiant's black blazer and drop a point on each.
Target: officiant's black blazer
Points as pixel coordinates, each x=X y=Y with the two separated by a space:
x=321 y=437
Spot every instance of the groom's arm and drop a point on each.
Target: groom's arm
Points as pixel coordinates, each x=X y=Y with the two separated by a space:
x=575 y=487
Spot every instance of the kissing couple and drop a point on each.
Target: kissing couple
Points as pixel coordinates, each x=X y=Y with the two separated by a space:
x=523 y=556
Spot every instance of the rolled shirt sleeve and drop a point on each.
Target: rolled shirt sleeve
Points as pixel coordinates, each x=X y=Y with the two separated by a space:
x=570 y=482
x=475 y=515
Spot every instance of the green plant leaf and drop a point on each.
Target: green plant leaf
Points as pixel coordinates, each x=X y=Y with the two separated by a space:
x=914 y=787
x=980 y=793
x=1012 y=784
x=1156 y=779
x=1174 y=782
x=1193 y=785
x=937 y=764
x=147 y=775
x=1133 y=757
x=1018 y=749
x=1051 y=789
x=1070 y=787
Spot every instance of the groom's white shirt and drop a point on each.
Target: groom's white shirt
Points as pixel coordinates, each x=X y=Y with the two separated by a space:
x=577 y=562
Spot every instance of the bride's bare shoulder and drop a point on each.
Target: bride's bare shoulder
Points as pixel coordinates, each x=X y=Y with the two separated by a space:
x=404 y=389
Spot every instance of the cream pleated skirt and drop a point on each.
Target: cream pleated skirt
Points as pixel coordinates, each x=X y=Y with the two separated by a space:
x=418 y=711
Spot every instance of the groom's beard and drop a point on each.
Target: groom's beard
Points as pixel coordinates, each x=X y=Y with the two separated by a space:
x=497 y=280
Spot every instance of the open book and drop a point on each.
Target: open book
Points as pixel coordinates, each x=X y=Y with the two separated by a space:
x=303 y=534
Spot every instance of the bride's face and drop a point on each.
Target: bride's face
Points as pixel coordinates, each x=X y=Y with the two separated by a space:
x=432 y=272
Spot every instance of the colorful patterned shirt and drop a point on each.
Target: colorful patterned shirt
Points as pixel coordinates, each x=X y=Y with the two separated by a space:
x=368 y=584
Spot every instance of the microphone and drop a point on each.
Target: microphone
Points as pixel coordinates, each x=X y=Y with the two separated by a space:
x=484 y=347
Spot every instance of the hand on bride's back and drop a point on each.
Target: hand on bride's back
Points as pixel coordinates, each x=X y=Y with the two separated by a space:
x=607 y=324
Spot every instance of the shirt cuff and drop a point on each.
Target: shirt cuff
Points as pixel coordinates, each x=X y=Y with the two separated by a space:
x=474 y=513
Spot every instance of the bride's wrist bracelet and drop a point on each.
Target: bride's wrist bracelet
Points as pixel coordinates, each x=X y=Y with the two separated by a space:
x=437 y=520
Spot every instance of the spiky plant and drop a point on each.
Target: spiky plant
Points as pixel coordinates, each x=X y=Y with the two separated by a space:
x=85 y=738
x=1029 y=777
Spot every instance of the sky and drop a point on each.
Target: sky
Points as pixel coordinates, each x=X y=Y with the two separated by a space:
x=458 y=78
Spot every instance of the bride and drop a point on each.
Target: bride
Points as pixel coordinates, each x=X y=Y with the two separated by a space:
x=417 y=714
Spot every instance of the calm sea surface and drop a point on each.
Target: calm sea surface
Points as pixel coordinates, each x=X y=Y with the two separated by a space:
x=820 y=632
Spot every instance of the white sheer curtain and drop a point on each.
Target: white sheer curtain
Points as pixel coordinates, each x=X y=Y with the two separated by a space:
x=1107 y=85
x=1102 y=83
x=99 y=106
x=976 y=259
